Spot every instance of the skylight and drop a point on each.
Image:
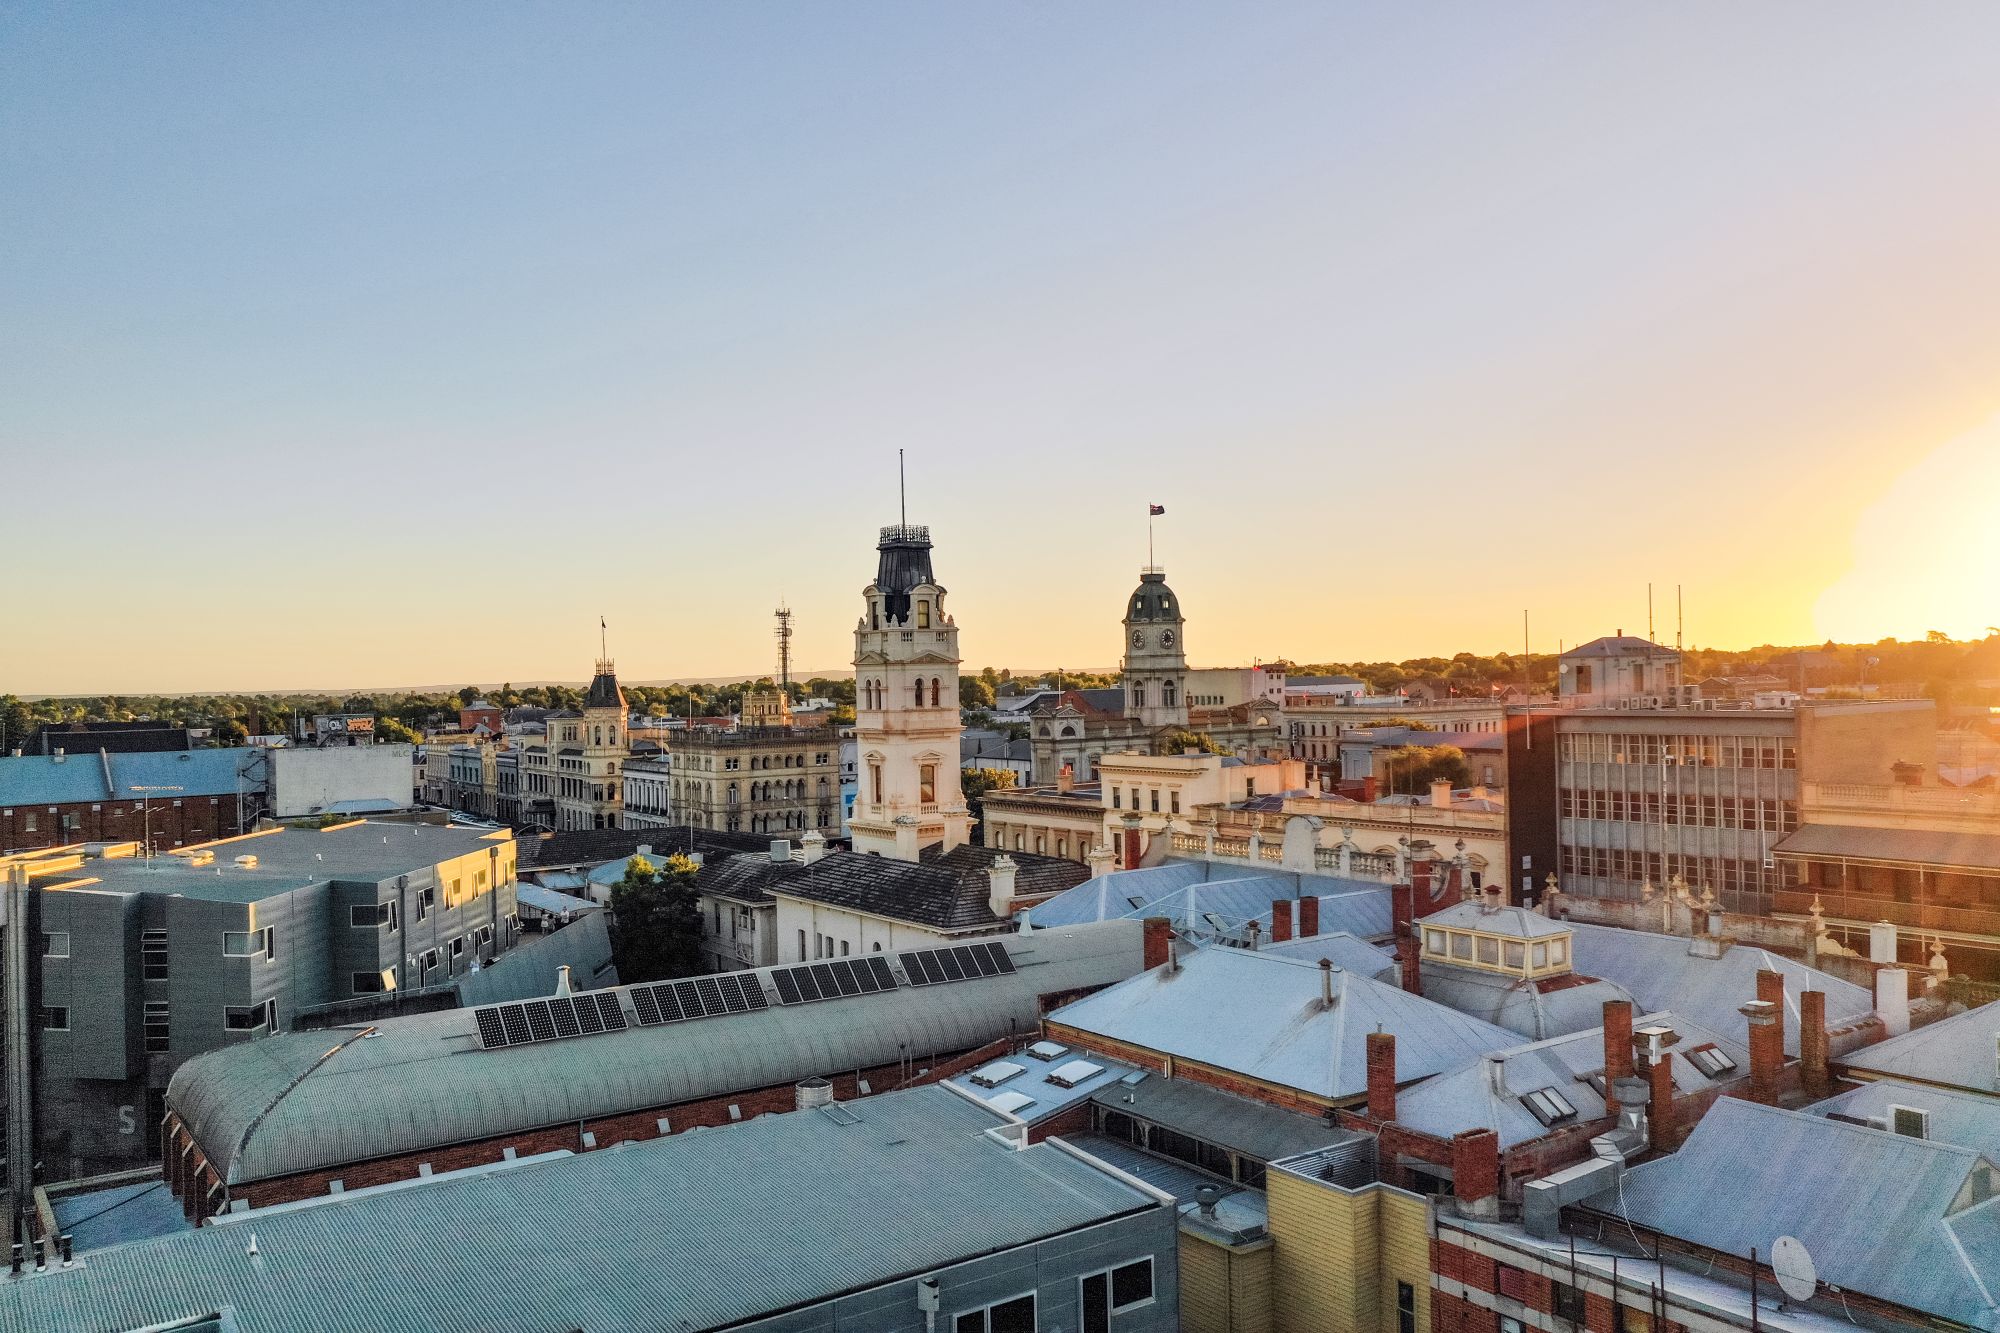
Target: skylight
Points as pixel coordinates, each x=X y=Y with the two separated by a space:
x=1047 y=1050
x=993 y=1075
x=1073 y=1073
x=1548 y=1106
x=1711 y=1060
x=1013 y=1103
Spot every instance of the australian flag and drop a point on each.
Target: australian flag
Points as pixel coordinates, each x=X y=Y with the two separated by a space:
x=1154 y=511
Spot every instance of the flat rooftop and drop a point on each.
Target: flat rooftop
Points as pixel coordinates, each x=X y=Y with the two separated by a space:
x=850 y=1197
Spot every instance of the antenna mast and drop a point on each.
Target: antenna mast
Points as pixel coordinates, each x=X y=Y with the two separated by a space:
x=784 y=637
x=902 y=493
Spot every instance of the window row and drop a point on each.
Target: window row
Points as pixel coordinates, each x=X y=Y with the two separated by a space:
x=1724 y=874
x=875 y=696
x=1694 y=811
x=1700 y=750
x=1153 y=797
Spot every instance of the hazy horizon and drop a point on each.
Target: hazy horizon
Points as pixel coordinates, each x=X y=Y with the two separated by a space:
x=405 y=341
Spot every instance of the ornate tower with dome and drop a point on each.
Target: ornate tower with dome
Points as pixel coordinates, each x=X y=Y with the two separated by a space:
x=906 y=706
x=1155 y=654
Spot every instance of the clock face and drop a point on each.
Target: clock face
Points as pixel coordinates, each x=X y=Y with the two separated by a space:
x=1166 y=638
x=1138 y=638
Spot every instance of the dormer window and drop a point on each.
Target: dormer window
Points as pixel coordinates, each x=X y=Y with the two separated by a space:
x=923 y=613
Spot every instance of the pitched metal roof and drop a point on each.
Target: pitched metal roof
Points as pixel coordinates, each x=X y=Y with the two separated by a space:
x=1939 y=847
x=1513 y=922
x=1261 y=1015
x=1339 y=948
x=1956 y=1052
x=1660 y=973
x=1259 y=1129
x=1535 y=1009
x=283 y=1105
x=1188 y=892
x=530 y=969
x=1486 y=1093
x=582 y=847
x=944 y=891
x=45 y=780
x=1968 y=1119
x=1882 y=1214
x=682 y=1228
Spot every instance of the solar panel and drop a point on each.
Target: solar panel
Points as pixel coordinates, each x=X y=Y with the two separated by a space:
x=788 y=989
x=563 y=1011
x=934 y=972
x=953 y=965
x=842 y=973
x=1001 y=958
x=711 y=995
x=610 y=1011
x=977 y=959
x=648 y=1007
x=540 y=1025
x=516 y=1024
x=732 y=995
x=753 y=991
x=692 y=1002
x=491 y=1031
x=667 y=999
x=588 y=1021
x=878 y=966
x=808 y=985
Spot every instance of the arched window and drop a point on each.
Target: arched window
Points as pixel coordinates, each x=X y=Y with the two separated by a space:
x=1139 y=695
x=934 y=691
x=920 y=694
x=1167 y=693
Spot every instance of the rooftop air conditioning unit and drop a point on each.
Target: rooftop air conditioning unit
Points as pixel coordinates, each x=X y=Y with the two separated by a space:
x=1910 y=1121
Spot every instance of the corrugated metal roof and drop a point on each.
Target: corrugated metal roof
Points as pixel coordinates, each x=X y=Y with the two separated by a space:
x=1259 y=1129
x=1957 y=1052
x=1517 y=1003
x=685 y=1229
x=45 y=780
x=423 y=1080
x=1341 y=949
x=1874 y=1209
x=1929 y=847
x=1261 y=1015
x=1479 y=1096
x=551 y=900
x=1968 y=1119
x=1660 y=973
x=1512 y=922
x=530 y=969
x=1188 y=892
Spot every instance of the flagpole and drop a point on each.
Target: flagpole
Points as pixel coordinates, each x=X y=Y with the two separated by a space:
x=1149 y=535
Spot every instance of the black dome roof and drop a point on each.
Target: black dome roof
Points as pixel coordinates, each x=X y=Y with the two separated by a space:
x=1153 y=600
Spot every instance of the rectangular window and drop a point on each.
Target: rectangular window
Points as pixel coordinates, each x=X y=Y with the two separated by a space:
x=927 y=784
x=56 y=1018
x=55 y=944
x=1013 y=1316
x=1174 y=801
x=153 y=955
x=250 y=1018
x=158 y=1027
x=1511 y=1281
x=372 y=983
x=369 y=916
x=426 y=899
x=1406 y=1308
x=1117 y=798
x=1568 y=1302
x=247 y=944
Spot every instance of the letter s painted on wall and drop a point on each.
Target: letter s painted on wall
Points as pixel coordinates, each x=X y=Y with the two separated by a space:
x=127 y=1122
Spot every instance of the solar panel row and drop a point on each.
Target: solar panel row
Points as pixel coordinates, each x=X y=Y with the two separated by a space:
x=582 y=1015
x=703 y=997
x=833 y=978
x=964 y=962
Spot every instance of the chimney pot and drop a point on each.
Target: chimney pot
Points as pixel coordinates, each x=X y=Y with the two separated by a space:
x=1767 y=1049
x=1159 y=937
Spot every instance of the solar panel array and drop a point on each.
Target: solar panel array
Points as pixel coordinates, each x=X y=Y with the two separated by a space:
x=834 y=978
x=703 y=997
x=964 y=962
x=581 y=1015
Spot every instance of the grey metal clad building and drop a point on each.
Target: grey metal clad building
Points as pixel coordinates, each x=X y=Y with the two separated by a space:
x=817 y=1220
x=143 y=964
x=291 y=1107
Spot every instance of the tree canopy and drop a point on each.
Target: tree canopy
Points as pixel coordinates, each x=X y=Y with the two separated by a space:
x=656 y=921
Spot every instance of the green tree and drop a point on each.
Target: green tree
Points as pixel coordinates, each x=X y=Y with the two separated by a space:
x=228 y=731
x=1181 y=739
x=1413 y=768
x=976 y=782
x=656 y=921
x=16 y=723
x=974 y=693
x=389 y=730
x=1408 y=722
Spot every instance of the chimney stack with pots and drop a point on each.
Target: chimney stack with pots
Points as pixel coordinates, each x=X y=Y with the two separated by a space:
x=1767 y=1050
x=1159 y=937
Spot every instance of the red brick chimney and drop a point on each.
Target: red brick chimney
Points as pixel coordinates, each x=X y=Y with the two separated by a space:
x=1475 y=1172
x=1308 y=916
x=1767 y=1050
x=1134 y=848
x=1281 y=920
x=1812 y=1042
x=1159 y=941
x=1662 y=1125
x=1617 y=1049
x=1413 y=977
x=1420 y=887
x=1382 y=1077
x=1402 y=908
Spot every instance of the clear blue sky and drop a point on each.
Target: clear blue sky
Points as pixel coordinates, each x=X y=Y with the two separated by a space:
x=377 y=344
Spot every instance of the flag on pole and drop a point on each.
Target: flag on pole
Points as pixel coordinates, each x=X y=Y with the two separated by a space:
x=1153 y=511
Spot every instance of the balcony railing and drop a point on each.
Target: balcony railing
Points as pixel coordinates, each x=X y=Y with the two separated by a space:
x=1867 y=909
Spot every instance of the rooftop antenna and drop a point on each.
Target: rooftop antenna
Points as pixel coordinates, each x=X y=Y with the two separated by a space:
x=1649 y=615
x=784 y=636
x=902 y=493
x=1679 y=618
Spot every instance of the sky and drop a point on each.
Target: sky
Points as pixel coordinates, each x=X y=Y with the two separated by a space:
x=395 y=344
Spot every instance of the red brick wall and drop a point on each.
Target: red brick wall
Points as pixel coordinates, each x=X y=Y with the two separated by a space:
x=194 y=820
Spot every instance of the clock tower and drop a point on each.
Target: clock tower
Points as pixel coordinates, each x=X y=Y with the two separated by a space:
x=1155 y=654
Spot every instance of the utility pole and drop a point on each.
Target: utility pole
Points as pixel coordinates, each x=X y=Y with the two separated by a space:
x=146 y=812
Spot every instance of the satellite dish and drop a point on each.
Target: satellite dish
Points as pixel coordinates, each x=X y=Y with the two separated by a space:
x=1797 y=1277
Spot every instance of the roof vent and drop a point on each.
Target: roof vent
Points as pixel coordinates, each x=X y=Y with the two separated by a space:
x=247 y=861
x=813 y=1092
x=781 y=852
